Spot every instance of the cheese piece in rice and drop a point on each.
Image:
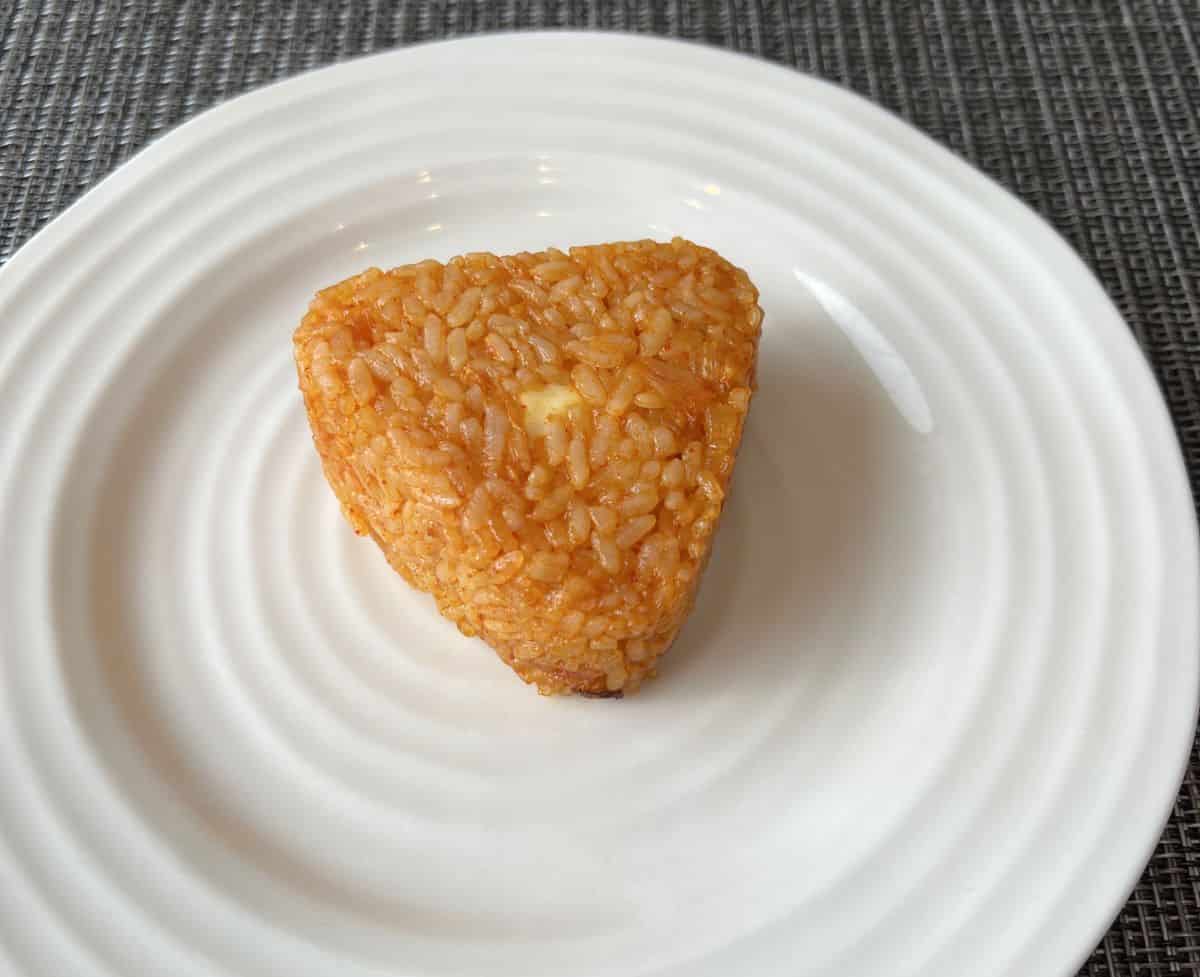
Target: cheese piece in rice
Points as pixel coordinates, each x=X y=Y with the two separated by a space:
x=543 y=442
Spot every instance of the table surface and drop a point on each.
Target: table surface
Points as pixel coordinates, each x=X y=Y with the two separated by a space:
x=1088 y=111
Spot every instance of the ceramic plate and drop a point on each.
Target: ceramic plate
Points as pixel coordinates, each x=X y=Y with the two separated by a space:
x=934 y=702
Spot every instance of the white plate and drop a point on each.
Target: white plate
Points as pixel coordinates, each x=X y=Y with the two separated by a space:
x=929 y=714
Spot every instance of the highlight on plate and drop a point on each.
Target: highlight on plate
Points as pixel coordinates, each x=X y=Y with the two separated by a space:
x=543 y=442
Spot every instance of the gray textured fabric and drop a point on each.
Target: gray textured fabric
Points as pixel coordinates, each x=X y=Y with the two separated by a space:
x=1087 y=111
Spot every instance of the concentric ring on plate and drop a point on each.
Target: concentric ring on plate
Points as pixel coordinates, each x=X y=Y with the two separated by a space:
x=231 y=720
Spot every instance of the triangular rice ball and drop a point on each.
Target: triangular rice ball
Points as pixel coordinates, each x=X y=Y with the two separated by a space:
x=541 y=441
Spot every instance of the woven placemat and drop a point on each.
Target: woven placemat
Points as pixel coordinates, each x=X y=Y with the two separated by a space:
x=1087 y=111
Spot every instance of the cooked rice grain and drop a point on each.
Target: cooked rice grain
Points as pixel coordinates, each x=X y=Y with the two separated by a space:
x=542 y=441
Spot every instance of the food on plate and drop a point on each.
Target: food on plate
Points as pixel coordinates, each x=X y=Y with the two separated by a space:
x=543 y=442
